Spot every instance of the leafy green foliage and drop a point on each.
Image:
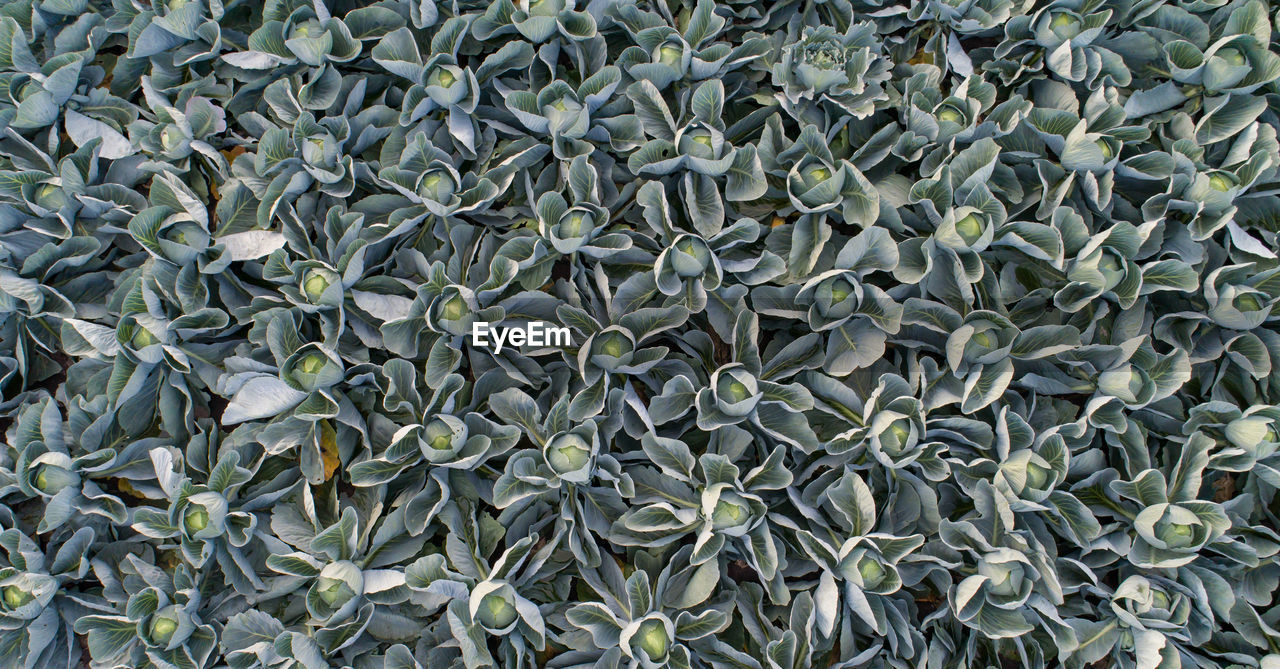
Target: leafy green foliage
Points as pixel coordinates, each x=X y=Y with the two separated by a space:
x=920 y=335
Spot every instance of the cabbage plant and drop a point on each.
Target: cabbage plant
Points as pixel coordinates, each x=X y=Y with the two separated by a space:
x=688 y=334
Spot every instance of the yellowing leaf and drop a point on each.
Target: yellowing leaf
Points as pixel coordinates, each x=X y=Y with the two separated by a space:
x=329 y=449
